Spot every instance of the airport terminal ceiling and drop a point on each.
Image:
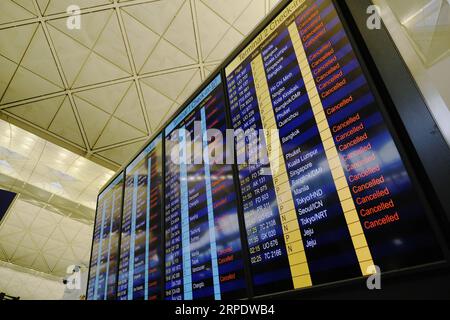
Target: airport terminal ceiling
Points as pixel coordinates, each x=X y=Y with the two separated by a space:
x=102 y=90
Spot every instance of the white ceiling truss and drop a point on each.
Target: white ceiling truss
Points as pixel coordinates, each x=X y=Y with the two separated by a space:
x=36 y=238
x=29 y=284
x=101 y=91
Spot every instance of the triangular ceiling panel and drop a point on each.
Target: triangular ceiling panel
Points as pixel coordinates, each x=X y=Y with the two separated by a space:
x=15 y=238
x=171 y=84
x=70 y=229
x=14 y=41
x=156 y=15
x=25 y=260
x=39 y=59
x=51 y=261
x=97 y=70
x=58 y=6
x=27 y=217
x=15 y=11
x=9 y=249
x=47 y=217
x=111 y=46
x=28 y=243
x=69 y=255
x=210 y=37
x=157 y=105
x=166 y=56
x=94 y=119
x=191 y=86
x=59 y=236
x=117 y=132
x=106 y=98
x=229 y=10
x=42 y=223
x=122 y=154
x=26 y=84
x=71 y=54
x=41 y=265
x=210 y=68
x=24 y=256
x=130 y=111
x=251 y=17
x=55 y=247
x=231 y=39
x=8 y=69
x=80 y=252
x=27 y=5
x=169 y=114
x=40 y=113
x=14 y=221
x=93 y=24
x=43 y=4
x=181 y=31
x=3 y=257
x=9 y=230
x=101 y=34
x=66 y=125
x=44 y=231
x=39 y=240
x=142 y=39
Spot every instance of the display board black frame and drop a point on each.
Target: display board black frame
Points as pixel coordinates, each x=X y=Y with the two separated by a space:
x=409 y=148
x=406 y=105
x=139 y=153
x=106 y=186
x=429 y=177
x=243 y=238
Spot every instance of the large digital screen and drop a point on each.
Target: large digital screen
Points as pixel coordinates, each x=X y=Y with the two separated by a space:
x=334 y=200
x=202 y=239
x=141 y=265
x=102 y=282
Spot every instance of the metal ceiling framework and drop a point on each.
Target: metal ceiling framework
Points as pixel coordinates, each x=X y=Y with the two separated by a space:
x=29 y=284
x=216 y=26
x=36 y=238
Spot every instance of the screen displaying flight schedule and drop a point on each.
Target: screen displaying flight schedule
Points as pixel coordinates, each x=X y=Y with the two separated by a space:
x=334 y=199
x=140 y=266
x=203 y=253
x=105 y=249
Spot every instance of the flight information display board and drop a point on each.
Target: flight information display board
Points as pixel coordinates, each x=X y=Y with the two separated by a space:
x=202 y=239
x=141 y=266
x=335 y=199
x=105 y=249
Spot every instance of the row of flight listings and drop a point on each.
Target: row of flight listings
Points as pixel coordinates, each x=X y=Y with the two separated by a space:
x=330 y=200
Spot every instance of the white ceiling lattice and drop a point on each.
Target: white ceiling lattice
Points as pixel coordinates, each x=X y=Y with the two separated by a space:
x=49 y=226
x=29 y=284
x=36 y=238
x=101 y=91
